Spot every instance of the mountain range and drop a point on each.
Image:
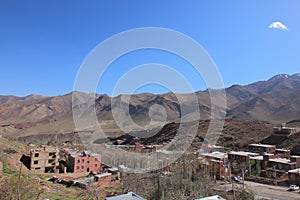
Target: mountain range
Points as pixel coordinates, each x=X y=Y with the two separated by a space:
x=276 y=100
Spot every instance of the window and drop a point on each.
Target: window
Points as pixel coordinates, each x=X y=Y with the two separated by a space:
x=82 y=160
x=82 y=167
x=52 y=154
x=95 y=165
x=87 y=162
x=36 y=155
x=36 y=162
x=77 y=167
x=78 y=161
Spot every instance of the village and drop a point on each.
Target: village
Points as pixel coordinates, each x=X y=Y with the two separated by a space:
x=262 y=163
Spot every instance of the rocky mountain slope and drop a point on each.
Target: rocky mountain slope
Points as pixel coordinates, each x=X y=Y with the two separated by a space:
x=276 y=100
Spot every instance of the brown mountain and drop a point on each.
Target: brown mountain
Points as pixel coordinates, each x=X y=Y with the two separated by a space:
x=276 y=100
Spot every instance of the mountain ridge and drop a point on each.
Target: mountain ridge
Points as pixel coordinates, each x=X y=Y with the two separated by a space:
x=276 y=100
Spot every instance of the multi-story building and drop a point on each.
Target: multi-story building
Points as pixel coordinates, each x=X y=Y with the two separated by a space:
x=83 y=162
x=218 y=165
x=294 y=176
x=44 y=159
x=283 y=130
x=262 y=148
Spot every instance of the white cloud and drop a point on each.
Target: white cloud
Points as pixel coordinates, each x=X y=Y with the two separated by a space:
x=278 y=25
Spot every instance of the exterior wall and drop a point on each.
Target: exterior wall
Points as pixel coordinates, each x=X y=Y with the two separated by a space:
x=294 y=178
x=238 y=162
x=281 y=166
x=44 y=159
x=239 y=158
x=262 y=149
x=282 y=153
x=104 y=181
x=256 y=166
x=280 y=176
x=285 y=130
x=218 y=170
x=85 y=163
x=296 y=159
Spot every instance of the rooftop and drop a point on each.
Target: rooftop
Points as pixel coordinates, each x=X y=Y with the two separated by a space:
x=215 y=154
x=261 y=145
x=87 y=152
x=295 y=156
x=79 y=155
x=86 y=180
x=257 y=157
x=283 y=150
x=280 y=160
x=76 y=155
x=113 y=169
x=243 y=153
x=45 y=148
x=128 y=196
x=295 y=171
x=102 y=175
x=215 y=197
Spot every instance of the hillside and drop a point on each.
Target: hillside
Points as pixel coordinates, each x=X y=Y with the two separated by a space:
x=16 y=178
x=276 y=100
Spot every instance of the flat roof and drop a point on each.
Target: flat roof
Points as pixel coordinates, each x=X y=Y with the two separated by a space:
x=113 y=169
x=281 y=160
x=128 y=196
x=269 y=154
x=86 y=180
x=95 y=154
x=243 y=153
x=295 y=171
x=215 y=154
x=294 y=156
x=102 y=175
x=76 y=155
x=278 y=127
x=257 y=157
x=285 y=150
x=215 y=197
x=261 y=145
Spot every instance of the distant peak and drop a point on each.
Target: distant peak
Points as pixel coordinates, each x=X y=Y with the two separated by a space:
x=279 y=76
x=296 y=75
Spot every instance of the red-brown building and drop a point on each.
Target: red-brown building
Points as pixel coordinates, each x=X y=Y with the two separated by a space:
x=83 y=162
x=294 y=176
x=217 y=165
x=262 y=148
x=103 y=180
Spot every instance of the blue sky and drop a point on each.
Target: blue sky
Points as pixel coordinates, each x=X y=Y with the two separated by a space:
x=43 y=43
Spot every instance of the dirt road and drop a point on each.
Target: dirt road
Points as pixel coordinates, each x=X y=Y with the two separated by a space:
x=262 y=191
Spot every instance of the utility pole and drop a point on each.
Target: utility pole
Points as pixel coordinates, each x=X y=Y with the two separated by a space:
x=243 y=179
x=249 y=167
x=230 y=172
x=243 y=174
x=158 y=188
x=275 y=175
